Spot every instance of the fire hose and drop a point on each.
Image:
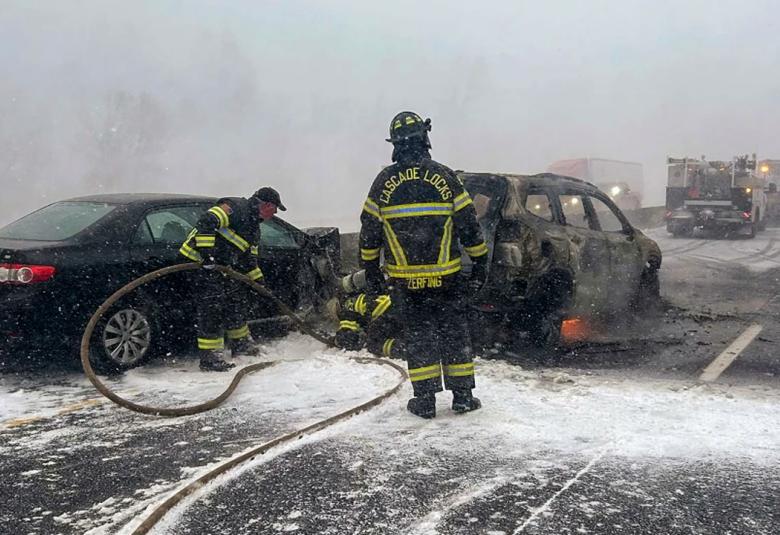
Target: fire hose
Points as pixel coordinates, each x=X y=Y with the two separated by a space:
x=243 y=372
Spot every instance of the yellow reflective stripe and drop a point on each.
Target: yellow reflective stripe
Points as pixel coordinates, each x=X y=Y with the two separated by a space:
x=211 y=343
x=255 y=274
x=369 y=254
x=446 y=243
x=360 y=304
x=205 y=240
x=462 y=201
x=221 y=216
x=241 y=332
x=395 y=246
x=254 y=250
x=428 y=372
x=467 y=368
x=416 y=209
x=383 y=303
x=349 y=325
x=371 y=208
x=231 y=236
x=408 y=272
x=387 y=347
x=476 y=251
x=190 y=253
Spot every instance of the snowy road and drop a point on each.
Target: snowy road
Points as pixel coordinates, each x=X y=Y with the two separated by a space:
x=620 y=436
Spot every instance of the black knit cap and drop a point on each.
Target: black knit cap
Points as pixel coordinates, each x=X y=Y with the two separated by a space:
x=270 y=195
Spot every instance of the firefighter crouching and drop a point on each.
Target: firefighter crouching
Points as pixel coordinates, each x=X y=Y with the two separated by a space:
x=227 y=234
x=416 y=214
x=366 y=320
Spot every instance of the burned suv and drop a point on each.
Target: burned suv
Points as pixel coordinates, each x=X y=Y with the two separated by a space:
x=559 y=248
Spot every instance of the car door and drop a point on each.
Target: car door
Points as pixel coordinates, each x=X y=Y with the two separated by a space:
x=155 y=244
x=624 y=252
x=281 y=259
x=589 y=254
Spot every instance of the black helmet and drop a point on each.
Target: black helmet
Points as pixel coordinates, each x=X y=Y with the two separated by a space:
x=269 y=195
x=408 y=125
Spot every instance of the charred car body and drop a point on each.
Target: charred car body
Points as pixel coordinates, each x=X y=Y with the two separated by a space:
x=559 y=248
x=58 y=264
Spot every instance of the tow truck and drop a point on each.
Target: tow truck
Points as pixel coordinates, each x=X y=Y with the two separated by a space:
x=718 y=196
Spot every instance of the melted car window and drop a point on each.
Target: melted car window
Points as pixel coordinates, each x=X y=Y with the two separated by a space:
x=608 y=221
x=574 y=211
x=539 y=205
x=481 y=204
x=56 y=222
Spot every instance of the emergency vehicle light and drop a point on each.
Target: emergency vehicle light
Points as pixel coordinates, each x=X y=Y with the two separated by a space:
x=25 y=274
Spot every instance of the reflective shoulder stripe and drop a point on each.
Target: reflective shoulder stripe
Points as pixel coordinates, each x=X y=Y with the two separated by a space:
x=254 y=250
x=476 y=251
x=231 y=236
x=221 y=215
x=372 y=208
x=387 y=347
x=462 y=201
x=369 y=254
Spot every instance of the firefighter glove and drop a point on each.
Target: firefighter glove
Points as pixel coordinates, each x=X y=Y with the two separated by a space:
x=209 y=262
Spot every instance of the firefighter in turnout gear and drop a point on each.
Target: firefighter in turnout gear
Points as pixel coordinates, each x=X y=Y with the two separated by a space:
x=416 y=215
x=367 y=321
x=227 y=234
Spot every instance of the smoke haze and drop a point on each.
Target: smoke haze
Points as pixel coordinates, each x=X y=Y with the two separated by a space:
x=224 y=97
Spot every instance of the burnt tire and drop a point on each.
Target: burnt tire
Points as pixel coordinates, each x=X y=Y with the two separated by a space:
x=545 y=332
x=648 y=294
x=126 y=337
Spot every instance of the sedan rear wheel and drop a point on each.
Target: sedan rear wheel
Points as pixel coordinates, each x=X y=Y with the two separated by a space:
x=125 y=339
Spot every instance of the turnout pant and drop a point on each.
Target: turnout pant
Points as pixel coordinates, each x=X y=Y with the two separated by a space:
x=222 y=306
x=435 y=342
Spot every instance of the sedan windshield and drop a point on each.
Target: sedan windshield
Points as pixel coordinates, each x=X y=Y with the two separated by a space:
x=56 y=222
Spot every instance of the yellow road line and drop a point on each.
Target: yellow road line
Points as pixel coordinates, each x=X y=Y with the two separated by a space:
x=67 y=409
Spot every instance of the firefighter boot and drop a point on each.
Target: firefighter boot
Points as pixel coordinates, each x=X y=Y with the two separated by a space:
x=243 y=346
x=211 y=361
x=463 y=401
x=423 y=406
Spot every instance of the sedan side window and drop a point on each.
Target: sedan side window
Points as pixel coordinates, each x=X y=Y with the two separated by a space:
x=168 y=225
x=607 y=219
x=274 y=234
x=539 y=205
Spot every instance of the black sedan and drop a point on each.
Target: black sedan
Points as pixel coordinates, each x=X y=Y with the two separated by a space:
x=59 y=263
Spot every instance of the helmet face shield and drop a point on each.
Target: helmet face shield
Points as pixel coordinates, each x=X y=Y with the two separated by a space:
x=408 y=125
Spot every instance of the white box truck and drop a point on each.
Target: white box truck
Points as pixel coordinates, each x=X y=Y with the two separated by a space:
x=622 y=181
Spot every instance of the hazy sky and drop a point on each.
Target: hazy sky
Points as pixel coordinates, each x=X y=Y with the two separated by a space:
x=223 y=97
